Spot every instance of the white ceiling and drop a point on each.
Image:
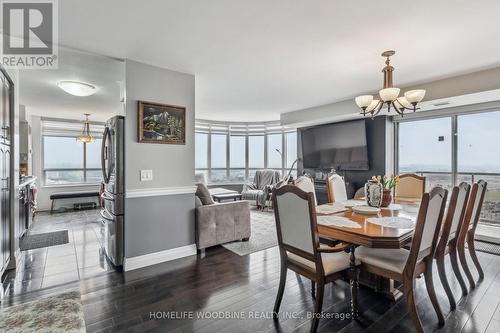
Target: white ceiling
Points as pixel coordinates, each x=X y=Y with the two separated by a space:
x=39 y=92
x=256 y=59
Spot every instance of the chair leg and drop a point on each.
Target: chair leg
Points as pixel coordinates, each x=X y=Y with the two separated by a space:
x=429 y=284
x=444 y=281
x=313 y=289
x=281 y=290
x=318 y=306
x=472 y=251
x=410 y=303
x=463 y=261
x=456 y=269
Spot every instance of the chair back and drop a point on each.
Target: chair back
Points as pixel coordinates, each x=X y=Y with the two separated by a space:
x=295 y=216
x=360 y=193
x=410 y=186
x=454 y=216
x=336 y=188
x=428 y=226
x=306 y=184
x=474 y=205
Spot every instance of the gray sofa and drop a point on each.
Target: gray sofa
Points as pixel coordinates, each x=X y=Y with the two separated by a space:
x=219 y=223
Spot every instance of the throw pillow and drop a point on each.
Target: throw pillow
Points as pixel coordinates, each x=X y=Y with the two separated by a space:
x=204 y=195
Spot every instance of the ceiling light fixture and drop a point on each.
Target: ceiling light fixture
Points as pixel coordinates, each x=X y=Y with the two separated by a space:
x=86 y=137
x=77 y=88
x=390 y=95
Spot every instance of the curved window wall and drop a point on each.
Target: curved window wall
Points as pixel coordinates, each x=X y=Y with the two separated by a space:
x=229 y=152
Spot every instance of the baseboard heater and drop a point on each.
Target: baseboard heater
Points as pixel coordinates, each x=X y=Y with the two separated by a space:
x=84 y=205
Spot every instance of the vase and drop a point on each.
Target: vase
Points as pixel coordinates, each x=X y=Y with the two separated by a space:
x=386 y=198
x=373 y=193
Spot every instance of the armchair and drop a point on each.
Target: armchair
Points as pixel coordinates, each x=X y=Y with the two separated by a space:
x=261 y=187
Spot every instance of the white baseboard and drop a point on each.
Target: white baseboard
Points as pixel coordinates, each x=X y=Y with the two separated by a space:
x=158 y=257
x=153 y=192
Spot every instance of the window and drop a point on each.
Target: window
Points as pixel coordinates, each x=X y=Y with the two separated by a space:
x=233 y=152
x=274 y=144
x=426 y=147
x=68 y=161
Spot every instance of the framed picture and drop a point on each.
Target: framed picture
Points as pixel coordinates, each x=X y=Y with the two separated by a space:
x=162 y=123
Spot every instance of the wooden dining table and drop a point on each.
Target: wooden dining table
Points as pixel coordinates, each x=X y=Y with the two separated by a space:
x=373 y=236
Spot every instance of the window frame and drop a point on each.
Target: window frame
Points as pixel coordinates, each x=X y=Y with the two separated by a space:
x=245 y=130
x=84 y=168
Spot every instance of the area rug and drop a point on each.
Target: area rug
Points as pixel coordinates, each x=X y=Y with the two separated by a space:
x=263 y=234
x=35 y=241
x=487 y=247
x=61 y=313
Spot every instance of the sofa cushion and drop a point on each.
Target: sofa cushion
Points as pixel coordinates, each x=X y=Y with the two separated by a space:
x=204 y=195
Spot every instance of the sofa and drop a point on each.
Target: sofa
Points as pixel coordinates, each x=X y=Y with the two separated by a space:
x=219 y=223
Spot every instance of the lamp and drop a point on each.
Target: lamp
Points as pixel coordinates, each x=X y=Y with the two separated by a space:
x=77 y=88
x=86 y=137
x=390 y=95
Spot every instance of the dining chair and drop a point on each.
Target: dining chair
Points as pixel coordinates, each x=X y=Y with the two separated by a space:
x=405 y=266
x=300 y=250
x=468 y=230
x=360 y=193
x=306 y=184
x=335 y=187
x=410 y=186
x=447 y=243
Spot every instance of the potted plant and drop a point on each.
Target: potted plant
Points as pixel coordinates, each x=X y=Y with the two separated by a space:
x=388 y=183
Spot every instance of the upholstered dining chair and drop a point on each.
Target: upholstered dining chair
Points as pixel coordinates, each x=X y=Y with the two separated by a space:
x=447 y=243
x=360 y=193
x=306 y=184
x=410 y=186
x=468 y=230
x=335 y=187
x=405 y=266
x=299 y=246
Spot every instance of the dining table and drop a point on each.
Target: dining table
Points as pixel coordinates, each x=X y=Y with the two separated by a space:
x=364 y=232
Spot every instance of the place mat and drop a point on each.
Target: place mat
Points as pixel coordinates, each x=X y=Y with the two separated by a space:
x=337 y=221
x=393 y=222
x=353 y=202
x=330 y=209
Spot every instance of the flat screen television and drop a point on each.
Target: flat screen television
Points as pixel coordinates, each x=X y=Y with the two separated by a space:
x=341 y=146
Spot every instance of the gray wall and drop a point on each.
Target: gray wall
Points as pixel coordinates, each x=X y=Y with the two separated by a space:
x=162 y=222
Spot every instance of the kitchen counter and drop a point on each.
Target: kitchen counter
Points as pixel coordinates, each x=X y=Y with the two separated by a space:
x=23 y=181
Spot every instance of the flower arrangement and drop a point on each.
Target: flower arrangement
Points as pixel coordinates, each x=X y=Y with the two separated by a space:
x=388 y=183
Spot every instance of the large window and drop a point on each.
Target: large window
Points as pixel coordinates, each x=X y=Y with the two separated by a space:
x=233 y=152
x=68 y=161
x=453 y=149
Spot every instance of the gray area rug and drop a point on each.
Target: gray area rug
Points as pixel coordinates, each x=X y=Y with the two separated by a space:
x=61 y=313
x=263 y=234
x=35 y=241
x=486 y=247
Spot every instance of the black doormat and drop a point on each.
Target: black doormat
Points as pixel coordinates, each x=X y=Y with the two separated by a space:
x=487 y=247
x=35 y=241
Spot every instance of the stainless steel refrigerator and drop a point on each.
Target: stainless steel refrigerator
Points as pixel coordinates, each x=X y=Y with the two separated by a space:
x=113 y=165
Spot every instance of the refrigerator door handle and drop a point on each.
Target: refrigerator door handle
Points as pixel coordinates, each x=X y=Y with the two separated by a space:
x=105 y=156
x=106 y=217
x=106 y=196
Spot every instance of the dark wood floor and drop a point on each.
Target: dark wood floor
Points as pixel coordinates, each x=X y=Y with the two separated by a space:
x=224 y=281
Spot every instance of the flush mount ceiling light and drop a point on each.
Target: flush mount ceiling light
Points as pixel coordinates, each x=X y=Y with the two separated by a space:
x=77 y=88
x=86 y=137
x=390 y=95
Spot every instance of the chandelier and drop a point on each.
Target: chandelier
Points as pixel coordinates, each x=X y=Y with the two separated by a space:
x=86 y=137
x=389 y=95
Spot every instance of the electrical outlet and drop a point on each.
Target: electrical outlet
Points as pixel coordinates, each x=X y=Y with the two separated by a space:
x=146 y=175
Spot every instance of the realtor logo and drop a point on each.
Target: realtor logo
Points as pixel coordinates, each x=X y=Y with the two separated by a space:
x=29 y=34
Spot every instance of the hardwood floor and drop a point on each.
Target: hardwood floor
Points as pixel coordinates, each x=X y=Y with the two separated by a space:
x=246 y=286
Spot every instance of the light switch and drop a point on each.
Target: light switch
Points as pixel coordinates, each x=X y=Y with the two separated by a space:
x=146 y=175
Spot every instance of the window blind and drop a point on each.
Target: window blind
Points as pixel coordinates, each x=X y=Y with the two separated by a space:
x=69 y=128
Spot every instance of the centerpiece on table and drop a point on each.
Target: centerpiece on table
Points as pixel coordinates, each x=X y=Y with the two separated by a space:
x=378 y=190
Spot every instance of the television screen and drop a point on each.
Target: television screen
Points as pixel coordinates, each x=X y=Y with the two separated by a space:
x=339 y=146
